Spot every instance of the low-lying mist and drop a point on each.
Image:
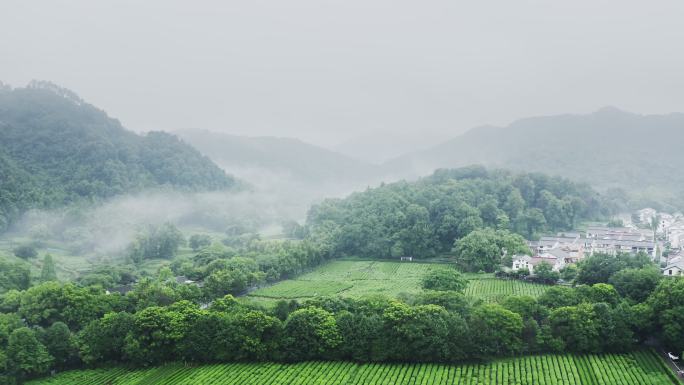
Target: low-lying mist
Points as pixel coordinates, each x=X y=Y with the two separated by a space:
x=107 y=228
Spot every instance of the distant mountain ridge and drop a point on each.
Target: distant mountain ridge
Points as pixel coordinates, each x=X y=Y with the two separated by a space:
x=378 y=147
x=55 y=149
x=607 y=148
x=290 y=157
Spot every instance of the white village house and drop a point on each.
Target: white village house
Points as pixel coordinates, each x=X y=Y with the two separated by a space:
x=675 y=268
x=521 y=262
x=527 y=262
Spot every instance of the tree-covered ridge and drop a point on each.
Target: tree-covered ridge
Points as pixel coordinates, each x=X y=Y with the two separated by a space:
x=634 y=155
x=55 y=149
x=426 y=217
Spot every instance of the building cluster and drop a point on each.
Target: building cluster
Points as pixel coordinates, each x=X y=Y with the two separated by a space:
x=669 y=227
x=571 y=247
x=659 y=235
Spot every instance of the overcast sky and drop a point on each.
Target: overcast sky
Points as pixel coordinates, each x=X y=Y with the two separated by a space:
x=326 y=71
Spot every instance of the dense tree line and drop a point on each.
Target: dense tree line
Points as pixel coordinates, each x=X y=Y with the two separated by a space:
x=61 y=326
x=225 y=271
x=426 y=217
x=56 y=149
x=619 y=302
x=15 y=276
x=156 y=242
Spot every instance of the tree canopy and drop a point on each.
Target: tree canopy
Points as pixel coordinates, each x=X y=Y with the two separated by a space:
x=57 y=149
x=421 y=219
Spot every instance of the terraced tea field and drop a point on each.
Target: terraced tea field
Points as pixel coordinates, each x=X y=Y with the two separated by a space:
x=638 y=368
x=359 y=278
x=495 y=290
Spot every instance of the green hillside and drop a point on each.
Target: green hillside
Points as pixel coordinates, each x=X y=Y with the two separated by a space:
x=56 y=149
x=423 y=218
x=609 y=148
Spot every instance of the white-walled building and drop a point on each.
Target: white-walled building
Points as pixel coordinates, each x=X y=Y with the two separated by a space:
x=675 y=269
x=527 y=262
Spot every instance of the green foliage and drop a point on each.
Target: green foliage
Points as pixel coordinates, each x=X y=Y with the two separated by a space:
x=636 y=284
x=156 y=331
x=48 y=271
x=496 y=331
x=568 y=272
x=311 y=332
x=292 y=229
x=26 y=356
x=25 y=252
x=559 y=296
x=57 y=149
x=103 y=340
x=576 y=327
x=232 y=276
x=15 y=276
x=599 y=267
x=358 y=279
x=638 y=367
x=450 y=300
x=528 y=307
x=483 y=250
x=60 y=344
x=444 y=280
x=246 y=335
x=50 y=302
x=424 y=218
x=423 y=330
x=428 y=327
x=156 y=242
x=667 y=304
x=108 y=276
x=489 y=289
x=199 y=241
x=543 y=272
x=599 y=292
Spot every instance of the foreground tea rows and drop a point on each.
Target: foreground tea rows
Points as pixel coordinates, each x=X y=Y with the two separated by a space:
x=637 y=368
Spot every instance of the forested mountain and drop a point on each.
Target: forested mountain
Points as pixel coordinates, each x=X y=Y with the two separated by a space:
x=608 y=148
x=285 y=156
x=426 y=217
x=55 y=149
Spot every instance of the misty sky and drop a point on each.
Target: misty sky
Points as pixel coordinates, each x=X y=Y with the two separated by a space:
x=327 y=71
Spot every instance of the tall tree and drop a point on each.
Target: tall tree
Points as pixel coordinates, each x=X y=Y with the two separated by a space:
x=311 y=333
x=496 y=331
x=48 y=271
x=61 y=344
x=483 y=250
x=26 y=356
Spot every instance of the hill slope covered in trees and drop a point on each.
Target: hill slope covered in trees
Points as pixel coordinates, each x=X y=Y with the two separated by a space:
x=424 y=218
x=609 y=148
x=56 y=149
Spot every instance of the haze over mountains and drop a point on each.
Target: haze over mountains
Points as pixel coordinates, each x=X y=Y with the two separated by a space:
x=608 y=148
x=289 y=158
x=380 y=147
x=40 y=124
